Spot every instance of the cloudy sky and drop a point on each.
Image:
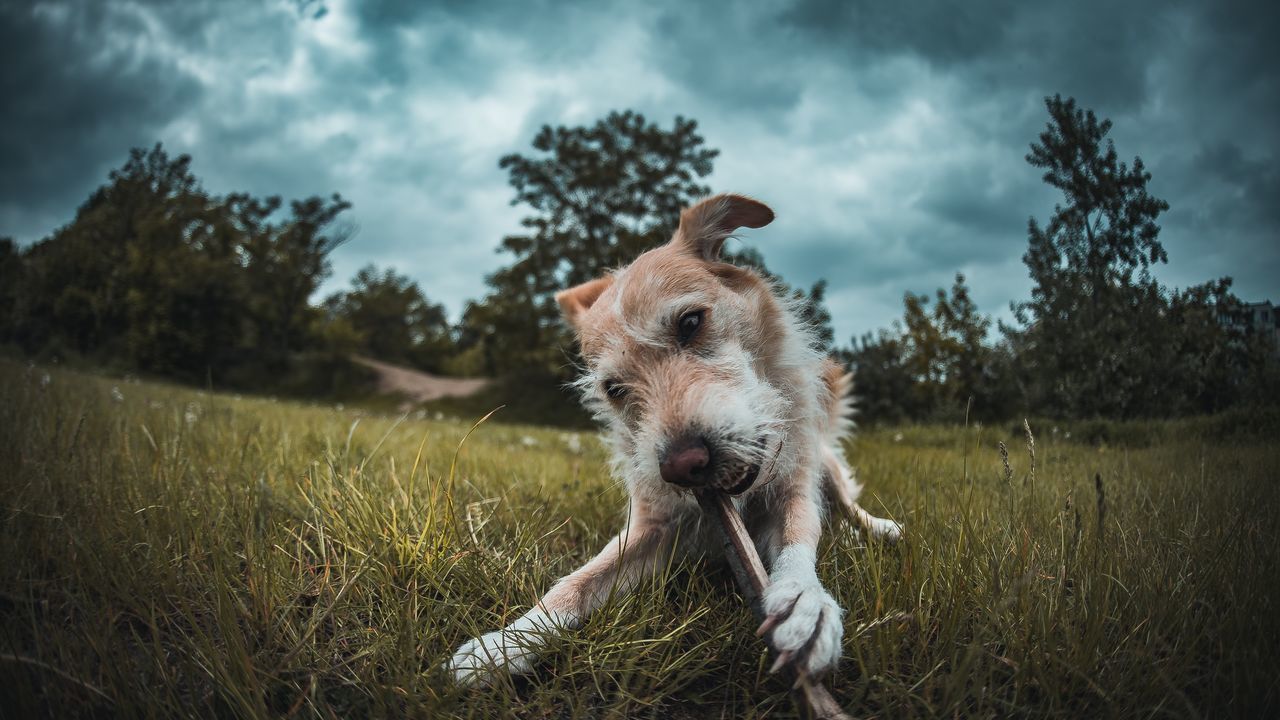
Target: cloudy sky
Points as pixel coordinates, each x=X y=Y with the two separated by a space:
x=889 y=136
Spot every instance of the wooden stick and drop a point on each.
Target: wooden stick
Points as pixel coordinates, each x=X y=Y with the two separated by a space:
x=752 y=580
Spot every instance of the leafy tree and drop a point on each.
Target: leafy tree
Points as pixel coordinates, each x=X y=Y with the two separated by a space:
x=604 y=194
x=600 y=195
x=947 y=355
x=155 y=274
x=1088 y=327
x=935 y=364
x=882 y=382
x=113 y=282
x=1100 y=336
x=285 y=264
x=392 y=319
x=1215 y=359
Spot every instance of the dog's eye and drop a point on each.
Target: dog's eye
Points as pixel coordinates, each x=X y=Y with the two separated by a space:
x=688 y=326
x=615 y=390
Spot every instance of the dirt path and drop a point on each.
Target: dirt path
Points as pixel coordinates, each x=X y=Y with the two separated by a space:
x=416 y=385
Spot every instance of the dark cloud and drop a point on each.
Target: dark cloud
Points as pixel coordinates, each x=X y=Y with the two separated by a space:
x=77 y=96
x=1001 y=45
x=1250 y=184
x=940 y=31
x=978 y=201
x=889 y=137
x=735 y=58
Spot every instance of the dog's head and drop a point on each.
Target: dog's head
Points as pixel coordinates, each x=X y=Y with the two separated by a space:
x=687 y=356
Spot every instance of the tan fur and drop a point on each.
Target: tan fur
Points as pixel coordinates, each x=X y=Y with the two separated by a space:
x=574 y=301
x=750 y=385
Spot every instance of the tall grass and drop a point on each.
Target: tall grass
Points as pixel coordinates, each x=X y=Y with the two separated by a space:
x=165 y=552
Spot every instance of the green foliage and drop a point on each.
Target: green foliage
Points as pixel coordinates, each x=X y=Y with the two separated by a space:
x=1099 y=336
x=154 y=275
x=599 y=196
x=285 y=263
x=944 y=349
x=936 y=365
x=386 y=316
x=169 y=553
x=883 y=386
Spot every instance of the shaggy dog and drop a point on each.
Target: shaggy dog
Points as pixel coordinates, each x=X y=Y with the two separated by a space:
x=703 y=377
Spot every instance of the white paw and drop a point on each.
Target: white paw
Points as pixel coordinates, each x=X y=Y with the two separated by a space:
x=803 y=622
x=877 y=528
x=479 y=661
x=886 y=530
x=512 y=650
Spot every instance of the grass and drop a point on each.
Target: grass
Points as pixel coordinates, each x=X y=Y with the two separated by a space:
x=165 y=552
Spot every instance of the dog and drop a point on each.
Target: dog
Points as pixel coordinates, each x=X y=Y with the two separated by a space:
x=703 y=376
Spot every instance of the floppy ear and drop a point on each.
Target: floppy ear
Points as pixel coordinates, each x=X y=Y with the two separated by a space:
x=705 y=226
x=577 y=300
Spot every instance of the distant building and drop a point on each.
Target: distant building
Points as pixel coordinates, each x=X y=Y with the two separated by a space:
x=1260 y=318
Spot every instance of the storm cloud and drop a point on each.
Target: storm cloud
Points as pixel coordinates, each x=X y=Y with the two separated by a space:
x=889 y=137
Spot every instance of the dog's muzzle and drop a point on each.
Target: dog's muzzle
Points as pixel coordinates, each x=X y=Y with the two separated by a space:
x=691 y=462
x=686 y=462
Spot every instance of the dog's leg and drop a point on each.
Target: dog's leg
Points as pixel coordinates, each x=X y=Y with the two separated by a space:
x=623 y=562
x=801 y=618
x=844 y=490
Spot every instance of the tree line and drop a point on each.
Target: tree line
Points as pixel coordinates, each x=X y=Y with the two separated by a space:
x=156 y=275
x=1099 y=337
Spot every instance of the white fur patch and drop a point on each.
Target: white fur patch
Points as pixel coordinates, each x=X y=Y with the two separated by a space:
x=879 y=528
x=512 y=650
x=887 y=530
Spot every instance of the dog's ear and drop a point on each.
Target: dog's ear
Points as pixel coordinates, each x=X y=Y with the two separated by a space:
x=705 y=226
x=577 y=300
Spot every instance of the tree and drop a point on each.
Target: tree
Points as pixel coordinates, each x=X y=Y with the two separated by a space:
x=604 y=195
x=933 y=365
x=600 y=195
x=882 y=382
x=948 y=355
x=155 y=274
x=285 y=264
x=124 y=280
x=1216 y=360
x=392 y=319
x=1088 y=329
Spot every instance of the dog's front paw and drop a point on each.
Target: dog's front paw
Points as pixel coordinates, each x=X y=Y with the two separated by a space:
x=802 y=621
x=512 y=650
x=481 y=660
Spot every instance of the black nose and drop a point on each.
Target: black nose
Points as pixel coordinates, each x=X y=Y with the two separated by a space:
x=686 y=462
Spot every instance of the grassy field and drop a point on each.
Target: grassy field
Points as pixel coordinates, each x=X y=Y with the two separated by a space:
x=165 y=552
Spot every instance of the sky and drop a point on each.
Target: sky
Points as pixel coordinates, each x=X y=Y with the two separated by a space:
x=889 y=137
